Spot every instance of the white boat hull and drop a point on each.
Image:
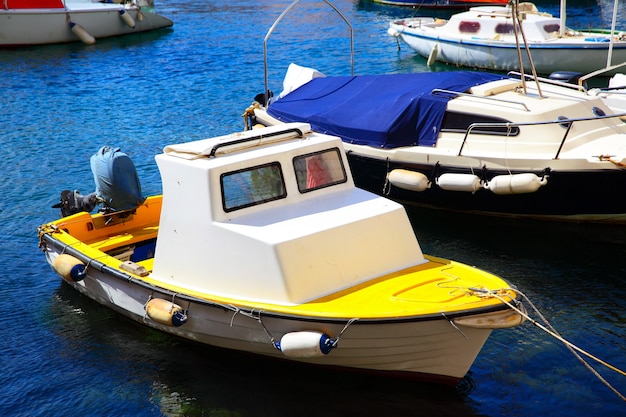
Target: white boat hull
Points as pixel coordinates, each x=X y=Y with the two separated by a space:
x=484 y=37
x=431 y=349
x=500 y=56
x=46 y=26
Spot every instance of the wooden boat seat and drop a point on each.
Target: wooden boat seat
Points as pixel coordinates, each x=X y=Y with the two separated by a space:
x=130 y=237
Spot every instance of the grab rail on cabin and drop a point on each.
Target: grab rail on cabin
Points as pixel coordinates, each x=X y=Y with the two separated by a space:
x=269 y=32
x=565 y=122
x=456 y=93
x=299 y=134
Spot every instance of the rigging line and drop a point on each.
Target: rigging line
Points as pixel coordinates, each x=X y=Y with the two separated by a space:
x=387 y=185
x=257 y=317
x=455 y=326
x=573 y=348
x=335 y=341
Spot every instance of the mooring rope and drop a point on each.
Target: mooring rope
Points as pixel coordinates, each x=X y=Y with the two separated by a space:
x=552 y=332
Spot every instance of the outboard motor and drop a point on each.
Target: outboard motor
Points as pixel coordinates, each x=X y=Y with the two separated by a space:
x=73 y=202
x=117 y=183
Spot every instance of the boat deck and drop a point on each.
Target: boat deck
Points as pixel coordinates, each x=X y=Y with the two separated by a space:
x=423 y=290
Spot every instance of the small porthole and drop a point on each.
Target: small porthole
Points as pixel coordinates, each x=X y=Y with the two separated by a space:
x=598 y=111
x=564 y=125
x=469 y=27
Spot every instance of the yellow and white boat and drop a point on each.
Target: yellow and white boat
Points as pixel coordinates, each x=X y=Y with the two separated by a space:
x=262 y=243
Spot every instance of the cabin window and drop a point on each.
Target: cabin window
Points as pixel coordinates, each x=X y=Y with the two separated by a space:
x=460 y=122
x=552 y=27
x=469 y=27
x=252 y=186
x=504 y=28
x=318 y=170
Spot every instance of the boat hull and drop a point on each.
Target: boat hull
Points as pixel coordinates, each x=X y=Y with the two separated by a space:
x=484 y=37
x=43 y=26
x=584 y=57
x=429 y=348
x=577 y=196
x=439 y=4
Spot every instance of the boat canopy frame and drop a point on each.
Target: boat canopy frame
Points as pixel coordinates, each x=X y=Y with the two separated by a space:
x=266 y=92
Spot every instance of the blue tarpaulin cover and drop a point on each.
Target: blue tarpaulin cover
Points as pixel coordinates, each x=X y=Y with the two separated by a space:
x=384 y=111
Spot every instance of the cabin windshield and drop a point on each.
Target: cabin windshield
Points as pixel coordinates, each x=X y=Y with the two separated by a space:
x=252 y=186
x=264 y=183
x=318 y=170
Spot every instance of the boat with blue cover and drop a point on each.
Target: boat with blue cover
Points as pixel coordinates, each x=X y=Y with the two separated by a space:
x=503 y=145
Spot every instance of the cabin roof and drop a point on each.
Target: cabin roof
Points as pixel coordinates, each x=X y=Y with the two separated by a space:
x=260 y=222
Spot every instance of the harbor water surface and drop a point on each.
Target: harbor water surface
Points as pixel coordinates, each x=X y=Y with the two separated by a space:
x=62 y=354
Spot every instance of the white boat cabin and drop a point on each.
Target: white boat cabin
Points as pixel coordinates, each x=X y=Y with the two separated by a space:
x=495 y=23
x=285 y=198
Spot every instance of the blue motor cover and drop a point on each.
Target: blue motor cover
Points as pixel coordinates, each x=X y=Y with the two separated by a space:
x=117 y=183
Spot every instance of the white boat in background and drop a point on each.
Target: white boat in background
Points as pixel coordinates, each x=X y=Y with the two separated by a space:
x=40 y=22
x=262 y=243
x=484 y=37
x=440 y=4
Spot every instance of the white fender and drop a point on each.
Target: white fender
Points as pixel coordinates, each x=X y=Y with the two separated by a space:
x=82 y=33
x=305 y=344
x=432 y=57
x=408 y=180
x=515 y=184
x=127 y=18
x=393 y=32
x=459 y=182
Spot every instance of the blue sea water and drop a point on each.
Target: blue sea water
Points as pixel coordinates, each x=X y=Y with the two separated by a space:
x=61 y=354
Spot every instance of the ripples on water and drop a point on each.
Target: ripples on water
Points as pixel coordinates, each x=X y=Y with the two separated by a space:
x=62 y=354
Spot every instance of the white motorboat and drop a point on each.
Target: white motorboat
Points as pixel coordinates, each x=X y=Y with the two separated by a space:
x=40 y=22
x=262 y=243
x=485 y=37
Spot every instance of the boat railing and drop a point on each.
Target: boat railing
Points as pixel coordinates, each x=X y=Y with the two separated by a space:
x=611 y=90
x=567 y=123
x=581 y=86
x=600 y=72
x=456 y=93
x=277 y=21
